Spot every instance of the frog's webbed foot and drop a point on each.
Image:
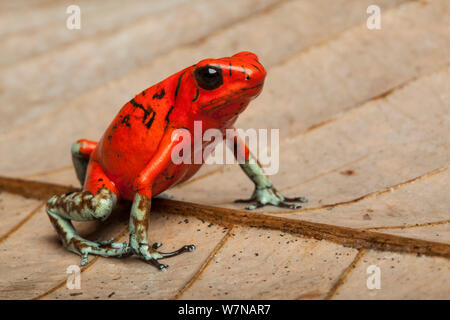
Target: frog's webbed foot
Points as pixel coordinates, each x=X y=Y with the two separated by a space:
x=152 y=255
x=85 y=247
x=268 y=195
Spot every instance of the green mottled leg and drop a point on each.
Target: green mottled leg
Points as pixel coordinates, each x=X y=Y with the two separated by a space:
x=80 y=162
x=138 y=226
x=265 y=193
x=83 y=206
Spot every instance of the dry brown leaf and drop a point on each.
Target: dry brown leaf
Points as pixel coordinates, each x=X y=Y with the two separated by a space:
x=364 y=119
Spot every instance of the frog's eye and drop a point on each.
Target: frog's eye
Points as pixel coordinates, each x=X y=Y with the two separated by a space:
x=209 y=77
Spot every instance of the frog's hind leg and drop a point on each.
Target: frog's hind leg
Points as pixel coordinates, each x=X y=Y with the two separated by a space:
x=95 y=203
x=81 y=152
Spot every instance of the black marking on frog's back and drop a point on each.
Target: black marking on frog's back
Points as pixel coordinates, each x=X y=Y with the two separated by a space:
x=137 y=105
x=150 y=122
x=148 y=113
x=178 y=86
x=126 y=120
x=168 y=115
x=159 y=95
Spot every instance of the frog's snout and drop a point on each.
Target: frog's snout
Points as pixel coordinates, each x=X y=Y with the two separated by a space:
x=246 y=55
x=251 y=67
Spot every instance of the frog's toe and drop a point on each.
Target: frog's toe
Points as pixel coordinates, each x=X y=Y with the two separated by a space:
x=255 y=206
x=279 y=204
x=190 y=248
x=156 y=245
x=269 y=196
x=288 y=205
x=84 y=248
x=158 y=265
x=185 y=248
x=152 y=255
x=102 y=243
x=284 y=203
x=296 y=199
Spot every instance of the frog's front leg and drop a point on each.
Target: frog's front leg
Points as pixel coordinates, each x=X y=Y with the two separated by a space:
x=140 y=211
x=96 y=203
x=265 y=193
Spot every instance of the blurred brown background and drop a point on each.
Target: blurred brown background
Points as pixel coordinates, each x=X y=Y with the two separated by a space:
x=364 y=134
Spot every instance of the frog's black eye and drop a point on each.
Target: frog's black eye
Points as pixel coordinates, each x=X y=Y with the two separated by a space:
x=209 y=77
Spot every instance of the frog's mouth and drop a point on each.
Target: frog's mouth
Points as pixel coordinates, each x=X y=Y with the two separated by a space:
x=240 y=95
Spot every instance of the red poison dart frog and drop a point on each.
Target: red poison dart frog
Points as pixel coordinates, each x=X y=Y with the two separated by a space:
x=132 y=161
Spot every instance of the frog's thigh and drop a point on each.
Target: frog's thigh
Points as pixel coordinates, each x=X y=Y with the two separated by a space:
x=95 y=203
